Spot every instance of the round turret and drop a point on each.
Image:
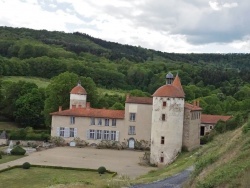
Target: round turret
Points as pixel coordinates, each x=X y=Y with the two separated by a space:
x=169 y=78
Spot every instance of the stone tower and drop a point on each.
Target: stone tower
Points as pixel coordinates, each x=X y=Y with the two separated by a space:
x=167 y=121
x=78 y=97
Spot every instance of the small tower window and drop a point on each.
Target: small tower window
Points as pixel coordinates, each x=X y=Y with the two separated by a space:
x=162 y=159
x=163 y=117
x=162 y=140
x=164 y=104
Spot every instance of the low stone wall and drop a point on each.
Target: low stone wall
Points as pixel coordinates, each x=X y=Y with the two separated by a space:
x=3 y=142
x=27 y=143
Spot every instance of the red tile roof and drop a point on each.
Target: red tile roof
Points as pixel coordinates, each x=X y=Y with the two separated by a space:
x=192 y=107
x=213 y=119
x=91 y=112
x=79 y=90
x=177 y=83
x=171 y=90
x=139 y=100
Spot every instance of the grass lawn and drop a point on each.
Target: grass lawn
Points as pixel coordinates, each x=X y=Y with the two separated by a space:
x=36 y=177
x=40 y=82
x=8 y=158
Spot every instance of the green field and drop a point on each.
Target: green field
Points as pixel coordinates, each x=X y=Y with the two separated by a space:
x=40 y=82
x=8 y=125
x=36 y=177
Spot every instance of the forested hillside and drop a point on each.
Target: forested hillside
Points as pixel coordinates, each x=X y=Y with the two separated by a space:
x=220 y=81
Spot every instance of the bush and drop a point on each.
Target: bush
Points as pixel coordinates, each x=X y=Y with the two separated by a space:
x=18 y=150
x=26 y=165
x=101 y=170
x=0 y=156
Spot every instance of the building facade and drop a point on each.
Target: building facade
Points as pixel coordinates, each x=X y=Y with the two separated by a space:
x=164 y=120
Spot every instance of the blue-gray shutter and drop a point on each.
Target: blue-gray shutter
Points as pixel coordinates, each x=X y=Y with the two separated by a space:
x=95 y=134
x=75 y=132
x=117 y=136
x=87 y=134
x=58 y=131
x=66 y=132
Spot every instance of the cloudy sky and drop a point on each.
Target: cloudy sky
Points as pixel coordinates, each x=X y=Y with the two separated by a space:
x=211 y=26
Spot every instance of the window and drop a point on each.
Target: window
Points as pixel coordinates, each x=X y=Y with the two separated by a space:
x=113 y=122
x=92 y=134
x=106 y=122
x=162 y=140
x=106 y=135
x=132 y=116
x=163 y=117
x=131 y=130
x=92 y=121
x=113 y=135
x=211 y=127
x=99 y=121
x=164 y=104
x=98 y=134
x=62 y=131
x=72 y=120
x=162 y=159
x=71 y=132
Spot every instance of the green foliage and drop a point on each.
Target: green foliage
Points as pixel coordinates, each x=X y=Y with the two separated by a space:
x=1 y=156
x=26 y=165
x=246 y=127
x=117 y=106
x=18 y=150
x=101 y=170
x=28 y=134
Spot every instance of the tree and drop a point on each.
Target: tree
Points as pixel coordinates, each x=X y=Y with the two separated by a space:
x=11 y=92
x=29 y=108
x=57 y=93
x=117 y=106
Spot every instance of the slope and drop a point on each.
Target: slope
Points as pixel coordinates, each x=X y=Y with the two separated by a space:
x=224 y=162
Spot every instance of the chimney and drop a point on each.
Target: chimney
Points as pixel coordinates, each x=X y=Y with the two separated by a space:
x=127 y=96
x=79 y=106
x=73 y=106
x=198 y=103
x=194 y=103
x=88 y=105
x=60 y=108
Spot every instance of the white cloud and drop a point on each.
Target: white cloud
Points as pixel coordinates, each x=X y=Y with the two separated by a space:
x=173 y=25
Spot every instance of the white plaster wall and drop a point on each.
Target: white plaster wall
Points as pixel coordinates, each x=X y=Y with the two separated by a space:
x=78 y=100
x=142 y=123
x=3 y=141
x=83 y=124
x=171 y=129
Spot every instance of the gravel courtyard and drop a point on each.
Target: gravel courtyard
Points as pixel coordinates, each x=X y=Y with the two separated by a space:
x=124 y=162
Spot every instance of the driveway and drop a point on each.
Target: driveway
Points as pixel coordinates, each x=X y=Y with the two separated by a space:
x=175 y=181
x=124 y=162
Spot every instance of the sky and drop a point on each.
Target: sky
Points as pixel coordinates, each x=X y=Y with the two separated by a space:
x=180 y=26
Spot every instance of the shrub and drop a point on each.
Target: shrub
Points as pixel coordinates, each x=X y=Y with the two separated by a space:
x=0 y=156
x=26 y=165
x=57 y=140
x=18 y=150
x=101 y=170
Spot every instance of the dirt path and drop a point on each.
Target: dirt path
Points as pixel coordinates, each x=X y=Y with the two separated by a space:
x=124 y=162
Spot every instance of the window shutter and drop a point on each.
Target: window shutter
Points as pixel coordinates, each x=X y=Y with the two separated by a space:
x=95 y=134
x=87 y=135
x=75 y=132
x=66 y=132
x=109 y=135
x=58 y=131
x=117 y=136
x=102 y=132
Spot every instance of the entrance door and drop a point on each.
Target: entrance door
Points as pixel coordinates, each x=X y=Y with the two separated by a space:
x=131 y=143
x=202 y=130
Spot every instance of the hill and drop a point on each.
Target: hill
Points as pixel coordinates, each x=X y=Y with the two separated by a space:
x=224 y=162
x=219 y=81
